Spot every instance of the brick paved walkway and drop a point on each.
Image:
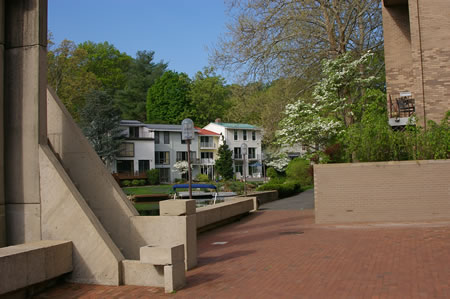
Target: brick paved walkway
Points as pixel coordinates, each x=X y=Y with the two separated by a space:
x=265 y=259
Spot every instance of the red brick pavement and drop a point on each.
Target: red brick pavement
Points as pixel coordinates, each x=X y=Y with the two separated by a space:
x=264 y=259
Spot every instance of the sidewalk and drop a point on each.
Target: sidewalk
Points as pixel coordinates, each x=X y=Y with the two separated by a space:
x=283 y=254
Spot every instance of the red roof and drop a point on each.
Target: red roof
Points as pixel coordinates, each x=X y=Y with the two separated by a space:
x=206 y=132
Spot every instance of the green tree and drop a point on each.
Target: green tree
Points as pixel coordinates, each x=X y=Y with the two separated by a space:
x=142 y=74
x=100 y=121
x=69 y=76
x=336 y=103
x=263 y=104
x=109 y=65
x=209 y=97
x=168 y=99
x=224 y=163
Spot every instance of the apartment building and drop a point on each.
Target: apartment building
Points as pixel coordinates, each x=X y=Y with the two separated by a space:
x=136 y=154
x=208 y=149
x=417 y=57
x=148 y=146
x=170 y=148
x=235 y=135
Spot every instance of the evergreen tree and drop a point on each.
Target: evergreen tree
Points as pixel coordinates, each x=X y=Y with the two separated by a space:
x=100 y=121
x=224 y=164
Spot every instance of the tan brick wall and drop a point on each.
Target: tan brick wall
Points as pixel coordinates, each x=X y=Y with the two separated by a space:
x=382 y=191
x=419 y=63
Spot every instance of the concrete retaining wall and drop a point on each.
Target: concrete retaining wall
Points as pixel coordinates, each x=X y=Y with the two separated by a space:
x=263 y=197
x=27 y=264
x=382 y=191
x=212 y=215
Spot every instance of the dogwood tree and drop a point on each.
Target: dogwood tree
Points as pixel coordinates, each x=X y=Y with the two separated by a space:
x=334 y=105
x=181 y=167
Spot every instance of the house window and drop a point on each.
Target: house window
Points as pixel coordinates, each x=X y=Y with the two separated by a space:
x=251 y=153
x=164 y=175
x=126 y=149
x=181 y=138
x=236 y=137
x=144 y=165
x=162 y=158
x=253 y=135
x=237 y=153
x=134 y=132
x=125 y=166
x=244 y=134
x=207 y=155
x=156 y=137
x=238 y=168
x=182 y=156
x=166 y=137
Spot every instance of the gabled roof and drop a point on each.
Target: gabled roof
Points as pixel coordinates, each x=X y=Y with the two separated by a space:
x=238 y=126
x=205 y=132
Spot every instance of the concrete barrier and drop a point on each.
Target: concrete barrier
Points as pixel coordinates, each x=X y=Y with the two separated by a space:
x=382 y=191
x=214 y=215
x=31 y=263
x=263 y=197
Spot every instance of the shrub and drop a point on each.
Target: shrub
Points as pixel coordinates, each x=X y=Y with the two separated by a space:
x=272 y=173
x=142 y=182
x=135 y=182
x=285 y=189
x=126 y=183
x=202 y=177
x=298 y=170
x=153 y=176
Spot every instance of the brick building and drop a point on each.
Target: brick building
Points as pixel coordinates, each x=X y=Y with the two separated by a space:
x=417 y=55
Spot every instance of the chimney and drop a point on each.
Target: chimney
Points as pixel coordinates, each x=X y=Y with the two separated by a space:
x=218 y=120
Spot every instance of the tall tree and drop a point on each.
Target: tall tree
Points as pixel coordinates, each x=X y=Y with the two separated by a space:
x=109 y=65
x=142 y=74
x=263 y=104
x=272 y=38
x=209 y=97
x=224 y=163
x=168 y=99
x=69 y=76
x=100 y=121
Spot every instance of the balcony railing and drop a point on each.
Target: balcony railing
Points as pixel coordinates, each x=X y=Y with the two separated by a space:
x=249 y=157
x=203 y=161
x=401 y=107
x=207 y=145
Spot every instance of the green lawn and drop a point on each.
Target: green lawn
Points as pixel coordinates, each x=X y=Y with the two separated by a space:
x=157 y=189
x=146 y=206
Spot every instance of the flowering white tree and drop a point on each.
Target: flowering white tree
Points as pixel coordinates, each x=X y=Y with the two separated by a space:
x=279 y=162
x=316 y=121
x=181 y=167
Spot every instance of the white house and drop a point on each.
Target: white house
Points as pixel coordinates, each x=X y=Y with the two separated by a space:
x=235 y=135
x=169 y=148
x=136 y=153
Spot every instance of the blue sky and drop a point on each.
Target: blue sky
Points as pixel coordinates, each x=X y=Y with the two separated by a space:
x=177 y=30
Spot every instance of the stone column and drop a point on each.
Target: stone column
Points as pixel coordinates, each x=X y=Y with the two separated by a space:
x=2 y=165
x=25 y=102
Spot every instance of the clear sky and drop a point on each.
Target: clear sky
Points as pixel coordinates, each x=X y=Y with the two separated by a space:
x=177 y=30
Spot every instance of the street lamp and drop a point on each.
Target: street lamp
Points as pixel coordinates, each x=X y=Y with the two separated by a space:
x=244 y=170
x=187 y=133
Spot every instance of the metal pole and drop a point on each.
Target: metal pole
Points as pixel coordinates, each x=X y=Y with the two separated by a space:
x=245 y=177
x=189 y=167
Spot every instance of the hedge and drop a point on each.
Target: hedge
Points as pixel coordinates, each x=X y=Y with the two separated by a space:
x=285 y=189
